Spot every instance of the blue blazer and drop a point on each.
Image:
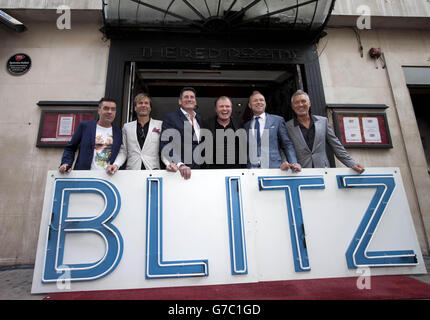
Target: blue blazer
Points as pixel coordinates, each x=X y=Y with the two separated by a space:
x=278 y=140
x=84 y=138
x=177 y=120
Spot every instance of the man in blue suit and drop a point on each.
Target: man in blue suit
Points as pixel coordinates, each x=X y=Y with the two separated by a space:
x=180 y=135
x=267 y=135
x=98 y=141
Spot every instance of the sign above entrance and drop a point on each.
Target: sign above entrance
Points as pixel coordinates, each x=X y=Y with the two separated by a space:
x=220 y=54
x=219 y=16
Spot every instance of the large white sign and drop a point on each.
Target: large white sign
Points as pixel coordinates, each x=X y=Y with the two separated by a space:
x=146 y=229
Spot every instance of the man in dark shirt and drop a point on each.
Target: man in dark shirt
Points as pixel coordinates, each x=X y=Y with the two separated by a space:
x=228 y=145
x=310 y=133
x=141 y=133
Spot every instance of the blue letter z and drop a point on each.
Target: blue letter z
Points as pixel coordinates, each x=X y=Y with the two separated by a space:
x=357 y=254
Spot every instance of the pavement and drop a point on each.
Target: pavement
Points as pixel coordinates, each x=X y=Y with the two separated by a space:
x=424 y=277
x=15 y=281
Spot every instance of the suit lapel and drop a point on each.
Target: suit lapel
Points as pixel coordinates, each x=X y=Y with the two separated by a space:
x=133 y=129
x=181 y=122
x=299 y=134
x=117 y=136
x=269 y=121
x=182 y=116
x=93 y=129
x=268 y=124
x=318 y=128
x=199 y=120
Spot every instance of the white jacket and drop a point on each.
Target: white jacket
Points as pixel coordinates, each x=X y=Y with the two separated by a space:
x=130 y=148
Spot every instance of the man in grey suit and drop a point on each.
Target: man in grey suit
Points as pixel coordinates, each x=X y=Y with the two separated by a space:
x=267 y=135
x=141 y=139
x=310 y=133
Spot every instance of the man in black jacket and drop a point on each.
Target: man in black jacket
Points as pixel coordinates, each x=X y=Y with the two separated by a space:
x=176 y=149
x=229 y=146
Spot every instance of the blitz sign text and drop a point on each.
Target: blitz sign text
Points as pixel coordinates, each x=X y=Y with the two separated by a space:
x=150 y=207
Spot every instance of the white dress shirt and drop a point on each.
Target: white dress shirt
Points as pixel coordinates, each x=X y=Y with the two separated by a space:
x=262 y=122
x=194 y=123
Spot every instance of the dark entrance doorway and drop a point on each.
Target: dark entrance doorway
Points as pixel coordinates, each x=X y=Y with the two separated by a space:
x=162 y=63
x=163 y=84
x=420 y=99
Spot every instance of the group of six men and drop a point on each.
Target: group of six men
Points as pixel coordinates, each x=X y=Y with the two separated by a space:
x=183 y=141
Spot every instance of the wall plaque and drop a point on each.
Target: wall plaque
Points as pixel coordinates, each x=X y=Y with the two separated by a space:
x=18 y=64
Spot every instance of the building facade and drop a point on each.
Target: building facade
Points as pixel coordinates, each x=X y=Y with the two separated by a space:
x=98 y=49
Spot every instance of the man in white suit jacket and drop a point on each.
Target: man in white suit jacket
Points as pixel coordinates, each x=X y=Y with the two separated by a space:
x=140 y=139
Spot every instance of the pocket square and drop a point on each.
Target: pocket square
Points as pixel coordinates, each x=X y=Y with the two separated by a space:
x=156 y=130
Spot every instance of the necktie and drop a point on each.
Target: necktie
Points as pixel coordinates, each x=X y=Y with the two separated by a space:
x=257 y=132
x=192 y=119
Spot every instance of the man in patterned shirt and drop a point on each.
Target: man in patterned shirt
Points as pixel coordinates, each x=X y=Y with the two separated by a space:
x=98 y=141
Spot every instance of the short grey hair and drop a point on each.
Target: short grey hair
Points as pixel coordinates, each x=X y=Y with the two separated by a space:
x=298 y=93
x=254 y=93
x=223 y=98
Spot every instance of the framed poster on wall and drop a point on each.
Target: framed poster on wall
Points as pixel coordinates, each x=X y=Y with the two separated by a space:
x=56 y=127
x=362 y=129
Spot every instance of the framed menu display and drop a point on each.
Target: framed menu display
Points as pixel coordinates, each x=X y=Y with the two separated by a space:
x=362 y=129
x=57 y=126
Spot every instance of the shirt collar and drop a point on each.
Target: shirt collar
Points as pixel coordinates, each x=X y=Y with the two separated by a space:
x=297 y=123
x=140 y=126
x=219 y=126
x=186 y=113
x=262 y=116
